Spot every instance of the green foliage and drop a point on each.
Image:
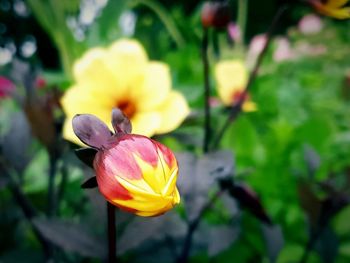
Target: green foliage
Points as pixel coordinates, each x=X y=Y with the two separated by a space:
x=294 y=149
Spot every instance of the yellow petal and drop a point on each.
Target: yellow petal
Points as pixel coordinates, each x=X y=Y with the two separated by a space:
x=69 y=134
x=339 y=13
x=127 y=60
x=171 y=184
x=93 y=74
x=153 y=176
x=77 y=100
x=342 y=13
x=173 y=112
x=336 y=3
x=88 y=62
x=145 y=123
x=155 y=88
x=231 y=76
x=146 y=203
x=249 y=106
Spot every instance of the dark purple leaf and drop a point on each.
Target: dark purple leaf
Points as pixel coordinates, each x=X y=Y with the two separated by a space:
x=327 y=245
x=17 y=141
x=86 y=155
x=121 y=123
x=274 y=240
x=249 y=200
x=214 y=238
x=3 y=182
x=142 y=231
x=311 y=204
x=331 y=206
x=71 y=237
x=198 y=175
x=91 y=130
x=312 y=159
x=90 y=183
x=321 y=210
x=221 y=238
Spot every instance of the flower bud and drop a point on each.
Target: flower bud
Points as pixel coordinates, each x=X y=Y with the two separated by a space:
x=215 y=14
x=138 y=175
x=6 y=87
x=133 y=172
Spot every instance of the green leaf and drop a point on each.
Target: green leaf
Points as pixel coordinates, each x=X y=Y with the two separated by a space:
x=243 y=139
x=293 y=253
x=341 y=222
x=316 y=131
x=344 y=249
x=106 y=28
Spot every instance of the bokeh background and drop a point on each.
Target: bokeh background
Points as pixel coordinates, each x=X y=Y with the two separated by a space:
x=290 y=159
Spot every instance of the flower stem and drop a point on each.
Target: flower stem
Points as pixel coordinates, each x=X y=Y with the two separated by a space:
x=313 y=238
x=205 y=61
x=237 y=107
x=242 y=18
x=51 y=202
x=112 y=239
x=63 y=184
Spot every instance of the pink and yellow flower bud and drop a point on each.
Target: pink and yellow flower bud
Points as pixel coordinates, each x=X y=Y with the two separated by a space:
x=138 y=175
x=133 y=172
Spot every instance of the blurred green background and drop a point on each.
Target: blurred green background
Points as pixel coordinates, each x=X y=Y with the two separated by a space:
x=294 y=151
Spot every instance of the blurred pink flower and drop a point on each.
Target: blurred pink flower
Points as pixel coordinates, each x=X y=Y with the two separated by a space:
x=214 y=102
x=255 y=47
x=304 y=48
x=6 y=87
x=283 y=50
x=234 y=32
x=257 y=44
x=310 y=24
x=40 y=82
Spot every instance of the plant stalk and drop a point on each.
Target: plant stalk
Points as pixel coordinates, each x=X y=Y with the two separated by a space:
x=205 y=61
x=242 y=18
x=237 y=107
x=51 y=193
x=112 y=239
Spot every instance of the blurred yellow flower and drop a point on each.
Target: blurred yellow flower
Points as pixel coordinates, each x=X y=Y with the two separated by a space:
x=332 y=8
x=231 y=78
x=121 y=76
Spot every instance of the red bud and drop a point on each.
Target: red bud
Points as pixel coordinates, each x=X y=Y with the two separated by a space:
x=215 y=14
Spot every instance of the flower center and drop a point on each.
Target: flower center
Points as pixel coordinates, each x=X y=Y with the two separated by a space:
x=127 y=107
x=238 y=95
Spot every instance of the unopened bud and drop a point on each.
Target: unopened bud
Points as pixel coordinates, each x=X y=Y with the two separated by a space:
x=215 y=14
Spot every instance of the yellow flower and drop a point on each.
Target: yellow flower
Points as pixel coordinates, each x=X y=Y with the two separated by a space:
x=231 y=78
x=121 y=76
x=332 y=8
